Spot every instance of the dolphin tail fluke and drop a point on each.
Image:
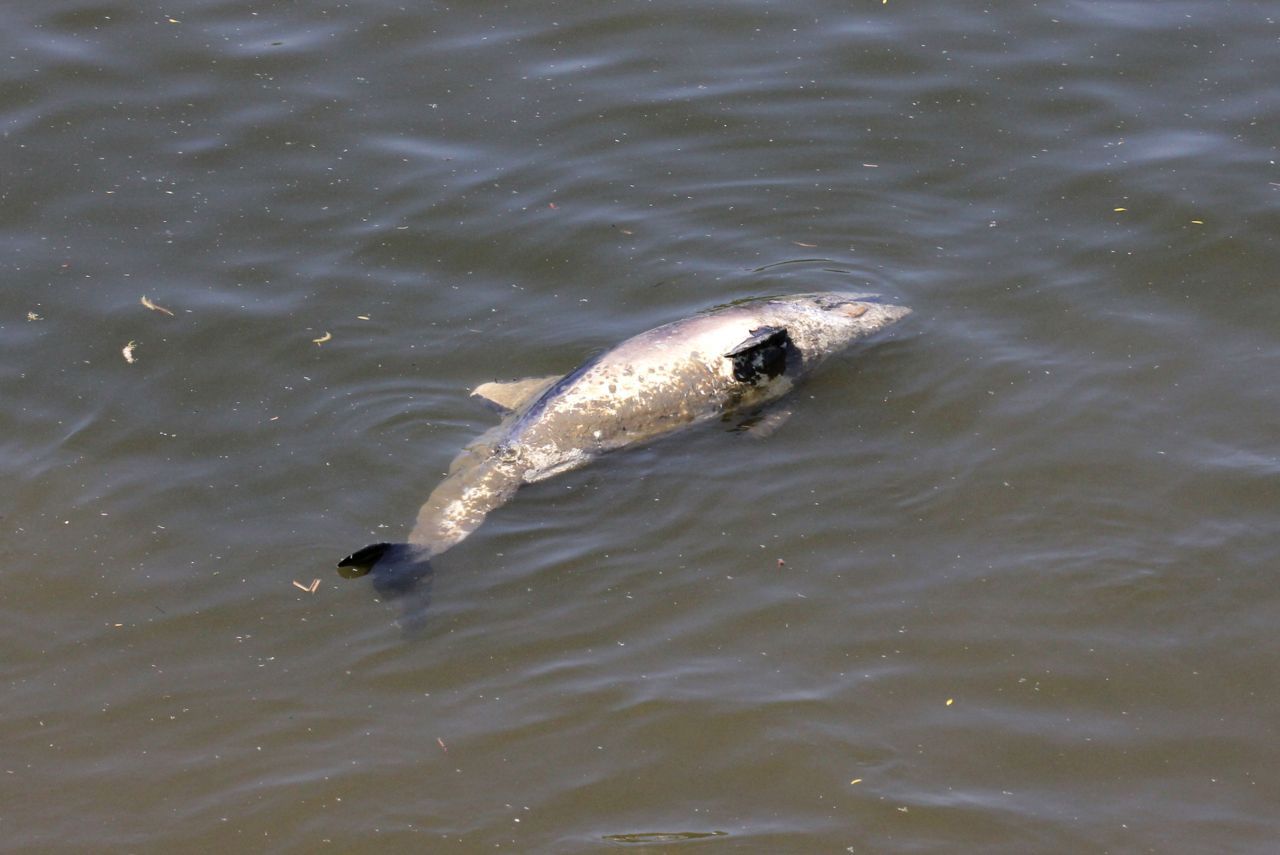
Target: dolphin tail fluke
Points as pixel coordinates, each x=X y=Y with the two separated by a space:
x=398 y=571
x=383 y=560
x=396 y=567
x=362 y=560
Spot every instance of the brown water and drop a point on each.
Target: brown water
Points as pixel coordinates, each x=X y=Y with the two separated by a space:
x=1028 y=600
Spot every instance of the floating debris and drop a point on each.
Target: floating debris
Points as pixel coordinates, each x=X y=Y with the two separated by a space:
x=443 y=747
x=127 y=352
x=805 y=245
x=322 y=339
x=1118 y=210
x=310 y=589
x=32 y=316
x=146 y=301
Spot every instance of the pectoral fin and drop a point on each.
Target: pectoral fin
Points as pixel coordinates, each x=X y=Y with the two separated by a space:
x=763 y=355
x=515 y=394
x=765 y=425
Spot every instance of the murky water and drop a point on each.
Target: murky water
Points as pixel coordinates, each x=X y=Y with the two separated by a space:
x=1027 y=592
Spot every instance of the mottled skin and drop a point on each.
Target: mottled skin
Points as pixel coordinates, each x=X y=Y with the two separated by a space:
x=648 y=386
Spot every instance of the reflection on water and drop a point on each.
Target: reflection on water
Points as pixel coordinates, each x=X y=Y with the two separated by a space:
x=1050 y=502
x=663 y=836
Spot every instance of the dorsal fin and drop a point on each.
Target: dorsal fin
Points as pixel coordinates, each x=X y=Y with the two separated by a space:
x=515 y=394
x=764 y=354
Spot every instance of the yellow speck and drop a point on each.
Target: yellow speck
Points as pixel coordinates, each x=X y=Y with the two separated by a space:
x=174 y=21
x=1118 y=210
x=322 y=339
x=1198 y=222
x=362 y=317
x=950 y=701
x=856 y=781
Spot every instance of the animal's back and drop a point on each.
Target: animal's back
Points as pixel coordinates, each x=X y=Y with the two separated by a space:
x=647 y=386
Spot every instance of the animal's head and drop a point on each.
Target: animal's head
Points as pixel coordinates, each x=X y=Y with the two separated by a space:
x=825 y=323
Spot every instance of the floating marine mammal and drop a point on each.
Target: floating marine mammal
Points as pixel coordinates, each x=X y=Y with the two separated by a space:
x=729 y=360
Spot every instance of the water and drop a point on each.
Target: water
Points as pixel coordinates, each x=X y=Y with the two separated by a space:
x=1026 y=599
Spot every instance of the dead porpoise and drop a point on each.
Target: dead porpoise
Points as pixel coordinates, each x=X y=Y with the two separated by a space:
x=726 y=361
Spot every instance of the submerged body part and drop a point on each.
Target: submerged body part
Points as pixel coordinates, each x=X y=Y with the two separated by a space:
x=729 y=360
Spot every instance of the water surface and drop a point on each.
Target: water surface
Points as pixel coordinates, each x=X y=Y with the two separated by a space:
x=1005 y=581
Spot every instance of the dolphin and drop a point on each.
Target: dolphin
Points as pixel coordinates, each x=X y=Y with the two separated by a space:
x=729 y=360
